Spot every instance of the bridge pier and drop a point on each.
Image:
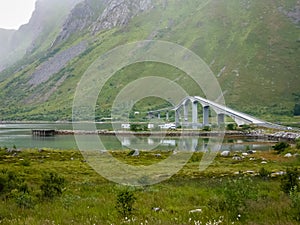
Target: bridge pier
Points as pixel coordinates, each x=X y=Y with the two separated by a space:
x=186 y=112
x=177 y=115
x=158 y=115
x=205 y=115
x=167 y=116
x=195 y=114
x=221 y=119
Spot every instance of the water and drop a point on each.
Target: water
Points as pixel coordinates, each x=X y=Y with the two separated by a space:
x=19 y=135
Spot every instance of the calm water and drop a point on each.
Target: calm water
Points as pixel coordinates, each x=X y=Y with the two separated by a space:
x=20 y=136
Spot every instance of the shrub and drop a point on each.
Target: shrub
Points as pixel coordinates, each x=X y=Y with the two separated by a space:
x=264 y=173
x=290 y=180
x=8 y=181
x=125 y=201
x=295 y=198
x=25 y=162
x=52 y=186
x=24 y=200
x=280 y=147
x=236 y=192
x=297 y=109
x=298 y=143
x=207 y=128
x=138 y=127
x=231 y=126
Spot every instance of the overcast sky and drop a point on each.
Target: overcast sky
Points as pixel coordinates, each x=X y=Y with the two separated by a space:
x=14 y=13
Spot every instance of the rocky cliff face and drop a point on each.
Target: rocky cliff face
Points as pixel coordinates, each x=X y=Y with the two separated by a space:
x=119 y=13
x=98 y=15
x=81 y=17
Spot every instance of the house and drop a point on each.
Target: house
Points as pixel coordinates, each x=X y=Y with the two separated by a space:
x=125 y=126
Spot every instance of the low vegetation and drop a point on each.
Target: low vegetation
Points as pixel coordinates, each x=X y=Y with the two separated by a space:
x=59 y=187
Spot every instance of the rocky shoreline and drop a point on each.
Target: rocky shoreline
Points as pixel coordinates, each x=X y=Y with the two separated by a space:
x=278 y=136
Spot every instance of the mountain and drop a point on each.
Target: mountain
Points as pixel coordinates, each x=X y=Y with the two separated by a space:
x=38 y=34
x=251 y=46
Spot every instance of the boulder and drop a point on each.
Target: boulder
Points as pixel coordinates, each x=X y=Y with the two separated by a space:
x=196 y=211
x=136 y=152
x=288 y=155
x=237 y=158
x=225 y=153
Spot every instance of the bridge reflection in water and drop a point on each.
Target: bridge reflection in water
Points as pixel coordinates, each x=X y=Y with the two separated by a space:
x=190 y=144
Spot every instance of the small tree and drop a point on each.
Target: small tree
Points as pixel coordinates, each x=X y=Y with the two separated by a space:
x=290 y=180
x=125 y=201
x=264 y=173
x=280 y=147
x=207 y=128
x=52 y=185
x=231 y=126
x=298 y=143
x=295 y=204
x=297 y=109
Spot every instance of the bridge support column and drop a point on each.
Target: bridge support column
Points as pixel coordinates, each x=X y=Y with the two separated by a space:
x=186 y=112
x=167 y=116
x=158 y=115
x=195 y=114
x=205 y=115
x=221 y=119
x=177 y=115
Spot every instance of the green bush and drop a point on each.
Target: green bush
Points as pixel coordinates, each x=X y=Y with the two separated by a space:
x=207 y=128
x=52 y=186
x=24 y=200
x=138 y=127
x=25 y=162
x=8 y=182
x=298 y=143
x=295 y=198
x=264 y=173
x=236 y=192
x=231 y=126
x=297 y=109
x=281 y=146
x=290 y=180
x=125 y=201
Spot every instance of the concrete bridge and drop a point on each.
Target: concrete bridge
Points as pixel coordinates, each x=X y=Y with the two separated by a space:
x=182 y=114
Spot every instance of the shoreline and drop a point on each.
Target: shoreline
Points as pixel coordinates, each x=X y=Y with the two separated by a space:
x=279 y=136
x=149 y=133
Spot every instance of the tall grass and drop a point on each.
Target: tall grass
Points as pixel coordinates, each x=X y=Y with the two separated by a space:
x=190 y=197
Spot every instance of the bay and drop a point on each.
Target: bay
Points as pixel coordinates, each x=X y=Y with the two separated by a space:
x=20 y=136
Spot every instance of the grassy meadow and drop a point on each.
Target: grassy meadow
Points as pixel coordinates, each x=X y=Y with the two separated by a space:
x=48 y=186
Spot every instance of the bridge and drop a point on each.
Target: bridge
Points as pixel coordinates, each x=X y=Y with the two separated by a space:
x=207 y=105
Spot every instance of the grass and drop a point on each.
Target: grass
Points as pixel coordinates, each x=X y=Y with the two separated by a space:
x=223 y=192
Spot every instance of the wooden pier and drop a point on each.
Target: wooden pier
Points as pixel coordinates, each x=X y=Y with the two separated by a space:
x=43 y=133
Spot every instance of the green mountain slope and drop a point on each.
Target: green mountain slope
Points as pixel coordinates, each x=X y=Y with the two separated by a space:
x=252 y=47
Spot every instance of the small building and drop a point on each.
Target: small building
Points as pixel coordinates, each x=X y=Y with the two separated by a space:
x=125 y=126
x=167 y=126
x=150 y=125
